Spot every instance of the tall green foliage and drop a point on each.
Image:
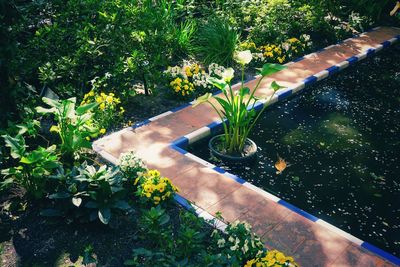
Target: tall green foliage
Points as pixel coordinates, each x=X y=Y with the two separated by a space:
x=216 y=42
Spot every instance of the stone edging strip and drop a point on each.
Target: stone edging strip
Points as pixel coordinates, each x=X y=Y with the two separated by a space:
x=183 y=142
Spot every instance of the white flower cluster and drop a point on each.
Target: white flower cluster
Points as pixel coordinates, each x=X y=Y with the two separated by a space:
x=131 y=165
x=258 y=57
x=174 y=72
x=201 y=80
x=216 y=70
x=307 y=39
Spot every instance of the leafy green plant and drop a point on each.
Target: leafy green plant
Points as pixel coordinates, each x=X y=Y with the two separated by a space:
x=238 y=242
x=237 y=109
x=97 y=191
x=215 y=42
x=74 y=126
x=131 y=166
x=155 y=227
x=33 y=167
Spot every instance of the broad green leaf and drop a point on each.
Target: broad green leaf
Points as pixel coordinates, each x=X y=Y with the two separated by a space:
x=270 y=68
x=202 y=99
x=275 y=86
x=220 y=84
x=42 y=110
x=244 y=91
x=104 y=215
x=16 y=144
x=52 y=103
x=85 y=108
x=123 y=205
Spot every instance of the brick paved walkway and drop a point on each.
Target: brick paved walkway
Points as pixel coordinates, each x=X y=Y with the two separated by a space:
x=311 y=244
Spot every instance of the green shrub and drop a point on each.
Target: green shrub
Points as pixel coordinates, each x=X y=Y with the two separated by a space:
x=215 y=42
x=93 y=192
x=75 y=126
x=33 y=167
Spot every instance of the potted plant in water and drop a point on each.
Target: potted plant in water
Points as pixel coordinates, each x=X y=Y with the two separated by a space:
x=236 y=111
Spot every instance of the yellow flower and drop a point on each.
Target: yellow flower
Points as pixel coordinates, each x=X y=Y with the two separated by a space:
x=99 y=99
x=109 y=99
x=91 y=93
x=293 y=40
x=156 y=198
x=102 y=106
x=102 y=131
x=54 y=129
x=148 y=195
x=136 y=181
x=280 y=258
x=280 y=59
x=87 y=138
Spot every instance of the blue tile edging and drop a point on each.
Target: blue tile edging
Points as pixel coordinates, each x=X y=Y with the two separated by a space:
x=183 y=142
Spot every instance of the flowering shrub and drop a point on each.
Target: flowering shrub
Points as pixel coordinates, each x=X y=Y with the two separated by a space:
x=279 y=53
x=272 y=258
x=131 y=165
x=154 y=188
x=191 y=79
x=107 y=111
x=239 y=242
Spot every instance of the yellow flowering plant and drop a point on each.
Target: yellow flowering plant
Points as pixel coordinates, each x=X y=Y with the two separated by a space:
x=272 y=258
x=154 y=188
x=107 y=111
x=186 y=81
x=278 y=53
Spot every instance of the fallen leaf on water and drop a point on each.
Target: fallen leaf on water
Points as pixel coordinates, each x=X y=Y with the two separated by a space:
x=280 y=165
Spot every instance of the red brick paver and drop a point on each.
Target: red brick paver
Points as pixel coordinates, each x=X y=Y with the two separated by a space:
x=311 y=244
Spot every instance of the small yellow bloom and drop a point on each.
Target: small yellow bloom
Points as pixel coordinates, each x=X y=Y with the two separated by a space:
x=102 y=131
x=102 y=106
x=91 y=93
x=109 y=99
x=54 y=129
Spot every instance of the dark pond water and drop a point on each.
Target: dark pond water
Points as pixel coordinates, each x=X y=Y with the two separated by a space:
x=341 y=139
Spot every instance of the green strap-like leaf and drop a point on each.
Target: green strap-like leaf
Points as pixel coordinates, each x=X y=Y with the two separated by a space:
x=270 y=68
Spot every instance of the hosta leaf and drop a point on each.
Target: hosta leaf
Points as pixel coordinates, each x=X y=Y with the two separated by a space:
x=16 y=145
x=123 y=205
x=77 y=201
x=104 y=215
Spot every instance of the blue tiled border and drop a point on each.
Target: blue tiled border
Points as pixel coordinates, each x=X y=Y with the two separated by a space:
x=181 y=144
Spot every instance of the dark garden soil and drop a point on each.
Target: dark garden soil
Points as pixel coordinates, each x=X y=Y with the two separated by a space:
x=28 y=239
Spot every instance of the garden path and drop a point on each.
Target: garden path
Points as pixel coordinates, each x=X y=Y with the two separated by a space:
x=310 y=243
